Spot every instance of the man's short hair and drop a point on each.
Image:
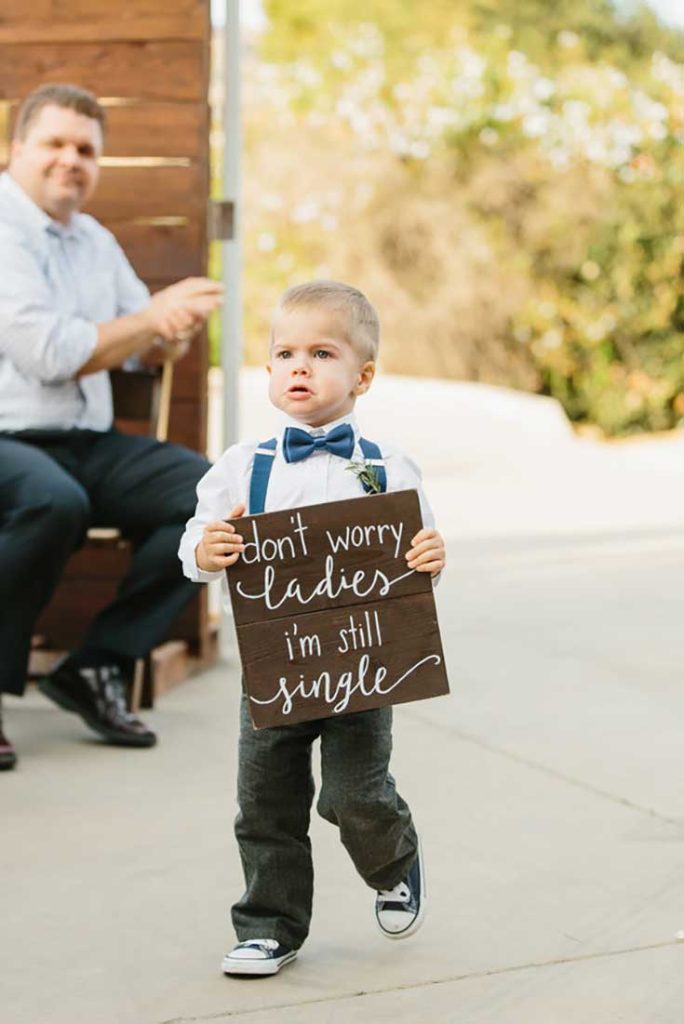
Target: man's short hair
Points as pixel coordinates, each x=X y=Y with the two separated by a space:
x=363 y=325
x=70 y=97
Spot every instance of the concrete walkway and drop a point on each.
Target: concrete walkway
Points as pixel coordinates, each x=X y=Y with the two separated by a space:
x=548 y=787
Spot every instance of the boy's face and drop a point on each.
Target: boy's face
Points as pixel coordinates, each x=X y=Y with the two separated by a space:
x=316 y=374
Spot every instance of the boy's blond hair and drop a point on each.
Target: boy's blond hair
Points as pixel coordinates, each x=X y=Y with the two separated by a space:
x=363 y=325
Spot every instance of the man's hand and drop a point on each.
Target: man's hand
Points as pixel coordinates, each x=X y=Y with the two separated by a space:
x=177 y=312
x=163 y=351
x=173 y=314
x=221 y=544
x=427 y=553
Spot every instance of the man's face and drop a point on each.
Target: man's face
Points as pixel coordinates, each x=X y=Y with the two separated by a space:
x=56 y=163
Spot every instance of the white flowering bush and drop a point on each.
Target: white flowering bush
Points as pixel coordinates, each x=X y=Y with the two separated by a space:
x=516 y=220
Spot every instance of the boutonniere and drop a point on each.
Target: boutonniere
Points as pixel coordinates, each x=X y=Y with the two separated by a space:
x=368 y=475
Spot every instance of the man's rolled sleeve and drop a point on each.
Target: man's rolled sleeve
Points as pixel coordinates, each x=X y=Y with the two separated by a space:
x=46 y=346
x=43 y=344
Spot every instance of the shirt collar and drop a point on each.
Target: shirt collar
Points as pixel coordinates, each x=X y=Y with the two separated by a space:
x=288 y=421
x=32 y=214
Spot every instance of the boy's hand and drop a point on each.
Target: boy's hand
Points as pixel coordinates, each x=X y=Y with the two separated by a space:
x=221 y=544
x=427 y=552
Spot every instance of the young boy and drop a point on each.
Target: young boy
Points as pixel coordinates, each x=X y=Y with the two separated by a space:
x=324 y=344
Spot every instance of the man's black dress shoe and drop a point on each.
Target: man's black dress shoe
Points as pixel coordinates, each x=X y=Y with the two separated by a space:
x=8 y=755
x=98 y=695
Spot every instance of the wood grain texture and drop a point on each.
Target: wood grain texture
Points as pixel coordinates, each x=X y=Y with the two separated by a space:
x=158 y=129
x=376 y=560
x=141 y=129
x=187 y=423
x=136 y=400
x=163 y=251
x=349 y=669
x=52 y=21
x=128 y=193
x=138 y=70
x=329 y=618
x=190 y=374
x=80 y=596
x=193 y=626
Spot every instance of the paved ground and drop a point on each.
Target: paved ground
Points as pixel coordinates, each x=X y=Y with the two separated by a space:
x=547 y=789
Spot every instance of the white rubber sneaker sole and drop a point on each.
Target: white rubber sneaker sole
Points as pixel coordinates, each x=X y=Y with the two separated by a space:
x=415 y=924
x=256 y=966
x=410 y=930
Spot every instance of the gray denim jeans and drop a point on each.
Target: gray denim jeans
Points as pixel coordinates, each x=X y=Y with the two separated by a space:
x=275 y=793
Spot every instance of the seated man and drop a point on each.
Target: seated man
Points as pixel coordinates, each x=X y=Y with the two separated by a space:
x=71 y=308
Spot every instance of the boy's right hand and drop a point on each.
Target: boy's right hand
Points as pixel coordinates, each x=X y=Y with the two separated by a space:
x=221 y=544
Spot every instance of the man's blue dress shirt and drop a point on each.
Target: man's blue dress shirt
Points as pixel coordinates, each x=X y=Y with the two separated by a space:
x=57 y=283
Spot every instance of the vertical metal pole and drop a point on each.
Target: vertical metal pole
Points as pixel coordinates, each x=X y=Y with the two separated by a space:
x=231 y=320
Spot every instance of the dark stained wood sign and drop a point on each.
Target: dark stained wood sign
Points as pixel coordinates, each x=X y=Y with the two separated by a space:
x=329 y=617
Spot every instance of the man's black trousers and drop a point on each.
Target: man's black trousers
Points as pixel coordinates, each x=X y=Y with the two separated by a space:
x=54 y=485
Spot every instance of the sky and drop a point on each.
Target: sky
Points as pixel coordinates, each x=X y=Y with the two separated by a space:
x=252 y=15
x=671 y=11
x=251 y=12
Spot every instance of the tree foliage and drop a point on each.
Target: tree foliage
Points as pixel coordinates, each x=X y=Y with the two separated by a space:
x=504 y=177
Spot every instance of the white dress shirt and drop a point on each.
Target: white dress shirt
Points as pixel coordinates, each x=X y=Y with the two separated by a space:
x=57 y=282
x=319 y=478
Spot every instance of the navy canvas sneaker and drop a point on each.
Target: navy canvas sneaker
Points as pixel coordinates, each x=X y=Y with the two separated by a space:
x=400 y=911
x=257 y=956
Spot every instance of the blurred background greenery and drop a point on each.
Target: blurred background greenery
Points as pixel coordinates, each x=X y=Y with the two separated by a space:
x=504 y=178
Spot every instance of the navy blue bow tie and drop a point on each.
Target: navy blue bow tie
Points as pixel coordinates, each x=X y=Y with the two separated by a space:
x=299 y=444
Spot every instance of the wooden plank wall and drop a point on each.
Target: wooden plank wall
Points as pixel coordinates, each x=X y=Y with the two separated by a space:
x=148 y=63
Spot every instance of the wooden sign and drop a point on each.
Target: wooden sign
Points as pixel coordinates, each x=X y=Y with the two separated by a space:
x=329 y=617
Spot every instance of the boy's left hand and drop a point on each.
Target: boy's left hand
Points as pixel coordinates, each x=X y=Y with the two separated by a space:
x=427 y=553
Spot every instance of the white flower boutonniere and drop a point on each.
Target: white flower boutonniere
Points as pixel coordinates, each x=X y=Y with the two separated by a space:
x=368 y=475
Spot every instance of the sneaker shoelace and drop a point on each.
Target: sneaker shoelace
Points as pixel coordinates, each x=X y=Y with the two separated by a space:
x=266 y=945
x=399 y=894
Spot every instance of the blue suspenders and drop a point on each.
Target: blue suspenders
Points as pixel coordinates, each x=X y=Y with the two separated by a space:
x=263 y=464
x=373 y=455
x=261 y=471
